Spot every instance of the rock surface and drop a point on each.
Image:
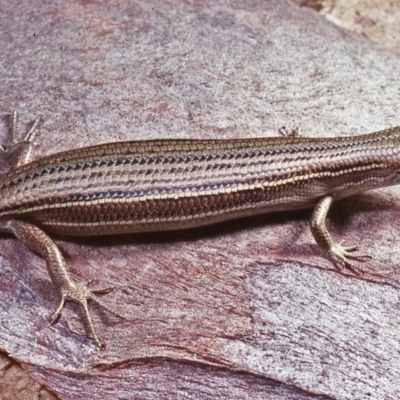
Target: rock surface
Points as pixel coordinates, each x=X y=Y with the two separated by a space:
x=248 y=309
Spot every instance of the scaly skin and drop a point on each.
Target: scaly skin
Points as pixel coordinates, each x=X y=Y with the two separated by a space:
x=161 y=185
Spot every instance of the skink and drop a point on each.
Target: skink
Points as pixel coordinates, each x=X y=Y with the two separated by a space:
x=160 y=185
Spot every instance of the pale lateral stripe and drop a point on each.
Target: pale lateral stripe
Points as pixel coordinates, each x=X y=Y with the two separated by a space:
x=175 y=196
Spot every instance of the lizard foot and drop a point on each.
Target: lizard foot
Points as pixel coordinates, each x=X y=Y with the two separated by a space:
x=343 y=255
x=80 y=293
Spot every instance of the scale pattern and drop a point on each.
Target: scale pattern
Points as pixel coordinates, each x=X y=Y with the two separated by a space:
x=172 y=184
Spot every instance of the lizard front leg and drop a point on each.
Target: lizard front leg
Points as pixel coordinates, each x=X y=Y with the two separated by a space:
x=341 y=255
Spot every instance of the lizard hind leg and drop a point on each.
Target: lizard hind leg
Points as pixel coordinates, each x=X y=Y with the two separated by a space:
x=39 y=242
x=20 y=152
x=80 y=293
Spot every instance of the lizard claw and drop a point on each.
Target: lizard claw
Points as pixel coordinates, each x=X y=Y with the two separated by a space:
x=80 y=293
x=343 y=255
